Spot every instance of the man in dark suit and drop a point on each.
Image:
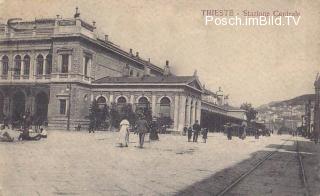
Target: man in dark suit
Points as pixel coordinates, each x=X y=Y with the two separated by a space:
x=196 y=129
x=142 y=129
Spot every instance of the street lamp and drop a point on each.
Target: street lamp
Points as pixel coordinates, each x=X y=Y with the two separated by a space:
x=69 y=106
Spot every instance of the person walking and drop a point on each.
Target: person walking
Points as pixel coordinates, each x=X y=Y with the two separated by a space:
x=229 y=131
x=205 y=135
x=189 y=134
x=154 y=129
x=124 y=133
x=196 y=129
x=142 y=129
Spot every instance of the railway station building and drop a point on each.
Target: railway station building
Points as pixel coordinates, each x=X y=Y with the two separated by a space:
x=54 y=68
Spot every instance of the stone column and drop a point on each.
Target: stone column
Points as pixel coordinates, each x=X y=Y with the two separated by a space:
x=188 y=112
x=111 y=99
x=193 y=112
x=132 y=99
x=176 y=113
x=153 y=105
x=198 y=112
x=182 y=112
x=44 y=66
x=32 y=66
x=22 y=68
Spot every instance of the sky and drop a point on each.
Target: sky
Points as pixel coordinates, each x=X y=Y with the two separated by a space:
x=255 y=64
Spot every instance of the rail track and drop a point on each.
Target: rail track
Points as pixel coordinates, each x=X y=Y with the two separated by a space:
x=233 y=184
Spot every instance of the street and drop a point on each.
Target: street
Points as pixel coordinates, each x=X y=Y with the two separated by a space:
x=78 y=163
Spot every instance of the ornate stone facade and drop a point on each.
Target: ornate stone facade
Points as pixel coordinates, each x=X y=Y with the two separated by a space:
x=54 y=68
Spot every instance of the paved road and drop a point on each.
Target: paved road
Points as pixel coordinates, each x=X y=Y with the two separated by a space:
x=278 y=175
x=76 y=163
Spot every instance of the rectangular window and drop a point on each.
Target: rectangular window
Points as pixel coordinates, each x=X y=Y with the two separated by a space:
x=87 y=66
x=63 y=106
x=64 y=63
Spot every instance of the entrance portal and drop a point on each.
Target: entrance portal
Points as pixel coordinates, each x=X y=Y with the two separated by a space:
x=18 y=106
x=41 y=108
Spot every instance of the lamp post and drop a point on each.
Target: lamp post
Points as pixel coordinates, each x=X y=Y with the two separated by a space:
x=69 y=106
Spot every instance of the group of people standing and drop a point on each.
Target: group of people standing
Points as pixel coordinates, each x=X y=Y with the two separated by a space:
x=195 y=131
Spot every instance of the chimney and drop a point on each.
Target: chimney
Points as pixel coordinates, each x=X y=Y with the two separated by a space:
x=131 y=52
x=58 y=16
x=77 y=14
x=148 y=60
x=167 y=63
x=137 y=54
x=106 y=38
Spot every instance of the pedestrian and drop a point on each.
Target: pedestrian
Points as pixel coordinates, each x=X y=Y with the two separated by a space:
x=5 y=122
x=25 y=135
x=257 y=133
x=189 y=134
x=154 y=129
x=5 y=137
x=43 y=133
x=229 y=131
x=185 y=130
x=205 y=135
x=244 y=132
x=196 y=129
x=91 y=126
x=124 y=133
x=142 y=129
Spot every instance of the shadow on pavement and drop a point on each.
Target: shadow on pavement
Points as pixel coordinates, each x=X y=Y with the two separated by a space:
x=215 y=183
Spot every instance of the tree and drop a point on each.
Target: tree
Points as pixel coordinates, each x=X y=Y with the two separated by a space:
x=127 y=112
x=94 y=110
x=98 y=116
x=251 y=113
x=114 y=116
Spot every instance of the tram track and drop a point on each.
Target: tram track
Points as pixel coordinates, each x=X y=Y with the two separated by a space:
x=244 y=175
x=302 y=170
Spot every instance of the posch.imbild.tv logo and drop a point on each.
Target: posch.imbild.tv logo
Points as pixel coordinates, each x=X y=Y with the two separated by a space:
x=250 y=18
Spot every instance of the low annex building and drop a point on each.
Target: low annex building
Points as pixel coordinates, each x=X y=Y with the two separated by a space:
x=54 y=68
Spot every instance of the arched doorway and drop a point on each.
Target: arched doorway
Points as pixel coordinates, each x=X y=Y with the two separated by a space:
x=18 y=105
x=41 y=110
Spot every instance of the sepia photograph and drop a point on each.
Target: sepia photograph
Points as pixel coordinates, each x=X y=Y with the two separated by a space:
x=160 y=97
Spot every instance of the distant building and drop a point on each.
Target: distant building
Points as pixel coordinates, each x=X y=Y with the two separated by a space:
x=54 y=68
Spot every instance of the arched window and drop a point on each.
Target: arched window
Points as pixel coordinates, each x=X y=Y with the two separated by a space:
x=165 y=107
x=26 y=61
x=17 y=65
x=40 y=64
x=131 y=73
x=121 y=100
x=142 y=104
x=5 y=65
x=48 y=64
x=101 y=101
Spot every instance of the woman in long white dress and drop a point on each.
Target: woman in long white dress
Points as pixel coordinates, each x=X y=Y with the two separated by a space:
x=124 y=133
